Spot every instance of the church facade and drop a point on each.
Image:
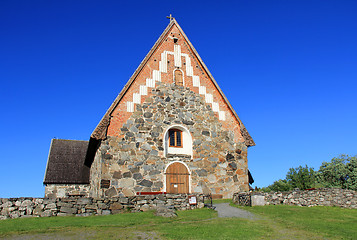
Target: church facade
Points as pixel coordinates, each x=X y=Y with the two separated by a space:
x=170 y=130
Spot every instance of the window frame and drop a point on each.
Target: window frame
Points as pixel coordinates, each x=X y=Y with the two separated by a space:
x=176 y=131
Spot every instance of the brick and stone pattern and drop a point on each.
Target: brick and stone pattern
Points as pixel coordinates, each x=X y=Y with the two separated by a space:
x=319 y=197
x=66 y=190
x=47 y=207
x=134 y=159
x=120 y=114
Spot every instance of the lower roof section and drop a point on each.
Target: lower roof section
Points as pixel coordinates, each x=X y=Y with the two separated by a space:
x=65 y=164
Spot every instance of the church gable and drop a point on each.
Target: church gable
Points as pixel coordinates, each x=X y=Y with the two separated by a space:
x=171 y=129
x=172 y=60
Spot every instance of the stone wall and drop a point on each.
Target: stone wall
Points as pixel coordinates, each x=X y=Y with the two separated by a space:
x=46 y=207
x=318 y=197
x=66 y=190
x=135 y=160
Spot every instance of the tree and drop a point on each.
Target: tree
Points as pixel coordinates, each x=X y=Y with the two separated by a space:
x=352 y=173
x=340 y=172
x=301 y=177
x=278 y=186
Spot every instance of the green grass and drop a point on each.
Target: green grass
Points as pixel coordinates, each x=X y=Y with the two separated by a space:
x=276 y=222
x=223 y=200
x=330 y=222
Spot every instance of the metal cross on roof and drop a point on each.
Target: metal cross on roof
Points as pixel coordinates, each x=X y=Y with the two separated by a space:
x=170 y=17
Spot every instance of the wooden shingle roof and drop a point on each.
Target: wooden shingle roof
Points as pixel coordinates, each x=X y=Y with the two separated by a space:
x=65 y=164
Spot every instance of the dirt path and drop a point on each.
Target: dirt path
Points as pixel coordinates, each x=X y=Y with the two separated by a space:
x=226 y=211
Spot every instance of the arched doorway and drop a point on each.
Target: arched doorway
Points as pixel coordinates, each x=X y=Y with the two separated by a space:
x=177 y=178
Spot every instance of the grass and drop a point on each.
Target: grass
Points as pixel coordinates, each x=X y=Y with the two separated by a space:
x=276 y=222
x=222 y=200
x=330 y=222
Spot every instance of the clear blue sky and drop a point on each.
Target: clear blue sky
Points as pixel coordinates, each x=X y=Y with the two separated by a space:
x=289 y=68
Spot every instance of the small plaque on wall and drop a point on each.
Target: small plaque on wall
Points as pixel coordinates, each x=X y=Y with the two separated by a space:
x=192 y=200
x=104 y=183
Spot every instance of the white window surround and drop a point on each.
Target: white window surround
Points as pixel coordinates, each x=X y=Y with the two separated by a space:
x=186 y=142
x=189 y=177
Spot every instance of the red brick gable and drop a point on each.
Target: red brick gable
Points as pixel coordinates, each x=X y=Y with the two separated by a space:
x=172 y=51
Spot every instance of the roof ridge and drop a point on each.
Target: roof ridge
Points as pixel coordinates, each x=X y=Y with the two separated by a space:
x=69 y=140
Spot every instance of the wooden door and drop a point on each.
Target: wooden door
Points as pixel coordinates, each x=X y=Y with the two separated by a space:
x=177 y=178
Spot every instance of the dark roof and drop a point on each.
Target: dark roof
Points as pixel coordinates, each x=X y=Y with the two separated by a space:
x=100 y=132
x=65 y=162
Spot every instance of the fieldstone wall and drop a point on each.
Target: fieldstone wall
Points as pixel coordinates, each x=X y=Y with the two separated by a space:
x=47 y=207
x=309 y=198
x=135 y=161
x=66 y=190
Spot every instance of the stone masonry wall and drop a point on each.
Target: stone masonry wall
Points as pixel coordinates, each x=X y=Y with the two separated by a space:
x=66 y=190
x=318 y=197
x=46 y=207
x=135 y=161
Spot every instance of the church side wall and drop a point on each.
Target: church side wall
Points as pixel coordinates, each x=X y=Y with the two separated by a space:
x=136 y=161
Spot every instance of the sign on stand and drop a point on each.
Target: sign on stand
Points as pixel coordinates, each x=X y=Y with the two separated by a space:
x=192 y=200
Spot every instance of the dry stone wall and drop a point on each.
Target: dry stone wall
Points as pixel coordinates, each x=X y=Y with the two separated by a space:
x=66 y=190
x=47 y=207
x=135 y=161
x=319 y=197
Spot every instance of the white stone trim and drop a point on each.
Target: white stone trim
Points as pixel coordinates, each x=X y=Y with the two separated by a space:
x=136 y=98
x=177 y=55
x=202 y=90
x=189 y=68
x=150 y=83
x=130 y=107
x=143 y=90
x=163 y=62
x=209 y=98
x=196 y=81
x=156 y=76
x=222 y=115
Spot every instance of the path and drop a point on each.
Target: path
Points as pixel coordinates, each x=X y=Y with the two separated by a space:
x=226 y=211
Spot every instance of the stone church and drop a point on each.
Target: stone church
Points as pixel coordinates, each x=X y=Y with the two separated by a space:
x=170 y=130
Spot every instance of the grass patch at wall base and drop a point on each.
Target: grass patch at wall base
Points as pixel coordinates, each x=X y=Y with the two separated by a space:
x=275 y=222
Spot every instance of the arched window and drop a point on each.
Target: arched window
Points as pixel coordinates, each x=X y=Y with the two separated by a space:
x=175 y=138
x=178 y=77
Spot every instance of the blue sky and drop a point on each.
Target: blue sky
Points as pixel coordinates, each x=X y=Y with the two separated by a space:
x=289 y=68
